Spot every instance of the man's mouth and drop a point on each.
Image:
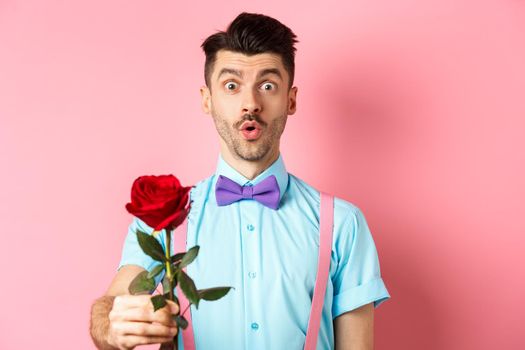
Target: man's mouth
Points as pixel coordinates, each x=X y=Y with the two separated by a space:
x=250 y=130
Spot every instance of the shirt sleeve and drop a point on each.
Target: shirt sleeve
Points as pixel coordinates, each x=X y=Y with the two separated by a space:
x=132 y=253
x=357 y=279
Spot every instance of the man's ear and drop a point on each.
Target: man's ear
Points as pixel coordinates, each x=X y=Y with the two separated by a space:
x=205 y=99
x=292 y=100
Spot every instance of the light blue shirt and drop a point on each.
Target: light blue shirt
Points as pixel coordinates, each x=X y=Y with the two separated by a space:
x=270 y=258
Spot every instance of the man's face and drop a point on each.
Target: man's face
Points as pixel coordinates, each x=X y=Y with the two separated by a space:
x=249 y=101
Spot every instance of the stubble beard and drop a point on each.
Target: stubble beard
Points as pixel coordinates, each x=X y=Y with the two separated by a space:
x=252 y=151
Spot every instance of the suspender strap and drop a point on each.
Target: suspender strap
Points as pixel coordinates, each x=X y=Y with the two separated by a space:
x=179 y=245
x=323 y=269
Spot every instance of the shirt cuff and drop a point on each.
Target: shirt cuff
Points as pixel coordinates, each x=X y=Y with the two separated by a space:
x=373 y=291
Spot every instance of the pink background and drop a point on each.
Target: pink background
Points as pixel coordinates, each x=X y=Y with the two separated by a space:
x=412 y=110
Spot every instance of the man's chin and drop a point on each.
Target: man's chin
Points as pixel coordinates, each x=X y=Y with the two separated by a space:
x=252 y=156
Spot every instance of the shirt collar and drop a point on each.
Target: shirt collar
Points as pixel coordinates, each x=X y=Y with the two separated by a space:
x=277 y=169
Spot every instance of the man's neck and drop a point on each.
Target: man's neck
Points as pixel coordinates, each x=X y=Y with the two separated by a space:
x=250 y=169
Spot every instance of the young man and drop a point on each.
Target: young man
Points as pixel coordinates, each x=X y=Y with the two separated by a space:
x=267 y=251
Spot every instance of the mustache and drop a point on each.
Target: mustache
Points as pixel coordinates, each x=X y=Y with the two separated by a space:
x=251 y=117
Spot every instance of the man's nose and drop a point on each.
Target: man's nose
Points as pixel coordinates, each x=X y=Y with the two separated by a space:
x=251 y=103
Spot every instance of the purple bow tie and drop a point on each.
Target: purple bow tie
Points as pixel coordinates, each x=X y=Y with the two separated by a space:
x=265 y=192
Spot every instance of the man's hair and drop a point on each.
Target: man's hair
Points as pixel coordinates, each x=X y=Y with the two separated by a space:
x=251 y=34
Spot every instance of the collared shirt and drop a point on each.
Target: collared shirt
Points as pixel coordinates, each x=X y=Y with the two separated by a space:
x=270 y=258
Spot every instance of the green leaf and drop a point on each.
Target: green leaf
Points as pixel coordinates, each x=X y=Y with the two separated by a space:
x=181 y=321
x=213 y=293
x=174 y=270
x=188 y=287
x=156 y=270
x=141 y=284
x=189 y=256
x=177 y=257
x=151 y=246
x=158 y=302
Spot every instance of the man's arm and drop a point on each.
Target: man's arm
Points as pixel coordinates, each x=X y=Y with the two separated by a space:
x=128 y=321
x=354 y=330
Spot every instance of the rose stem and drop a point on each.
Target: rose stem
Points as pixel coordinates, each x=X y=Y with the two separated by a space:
x=168 y=271
x=168 y=263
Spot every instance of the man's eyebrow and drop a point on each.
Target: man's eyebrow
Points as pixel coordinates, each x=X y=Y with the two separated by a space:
x=261 y=74
x=269 y=71
x=229 y=71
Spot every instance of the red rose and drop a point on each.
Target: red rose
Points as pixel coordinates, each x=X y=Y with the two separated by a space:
x=159 y=201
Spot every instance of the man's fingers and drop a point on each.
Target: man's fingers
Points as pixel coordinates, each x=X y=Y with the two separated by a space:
x=128 y=301
x=131 y=341
x=145 y=329
x=133 y=321
x=144 y=314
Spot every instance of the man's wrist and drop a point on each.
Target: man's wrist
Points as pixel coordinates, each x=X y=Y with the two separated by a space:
x=99 y=327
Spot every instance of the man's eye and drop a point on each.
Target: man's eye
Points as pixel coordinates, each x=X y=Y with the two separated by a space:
x=268 y=86
x=230 y=85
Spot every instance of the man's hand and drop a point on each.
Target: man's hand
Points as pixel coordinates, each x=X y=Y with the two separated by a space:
x=122 y=321
x=133 y=322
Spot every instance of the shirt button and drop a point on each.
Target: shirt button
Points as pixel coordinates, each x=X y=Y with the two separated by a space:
x=255 y=326
x=250 y=227
x=252 y=274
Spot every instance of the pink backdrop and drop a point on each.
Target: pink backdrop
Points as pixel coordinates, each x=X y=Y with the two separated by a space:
x=412 y=110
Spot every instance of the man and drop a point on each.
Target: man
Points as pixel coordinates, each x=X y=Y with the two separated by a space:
x=268 y=254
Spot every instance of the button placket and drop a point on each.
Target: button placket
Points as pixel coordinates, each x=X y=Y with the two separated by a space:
x=250 y=215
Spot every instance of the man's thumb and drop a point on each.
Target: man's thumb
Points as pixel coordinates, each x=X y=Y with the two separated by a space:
x=174 y=307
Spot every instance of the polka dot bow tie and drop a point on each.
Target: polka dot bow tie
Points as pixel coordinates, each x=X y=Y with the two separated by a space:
x=265 y=192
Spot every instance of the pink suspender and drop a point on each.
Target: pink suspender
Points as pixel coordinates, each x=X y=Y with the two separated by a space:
x=323 y=267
